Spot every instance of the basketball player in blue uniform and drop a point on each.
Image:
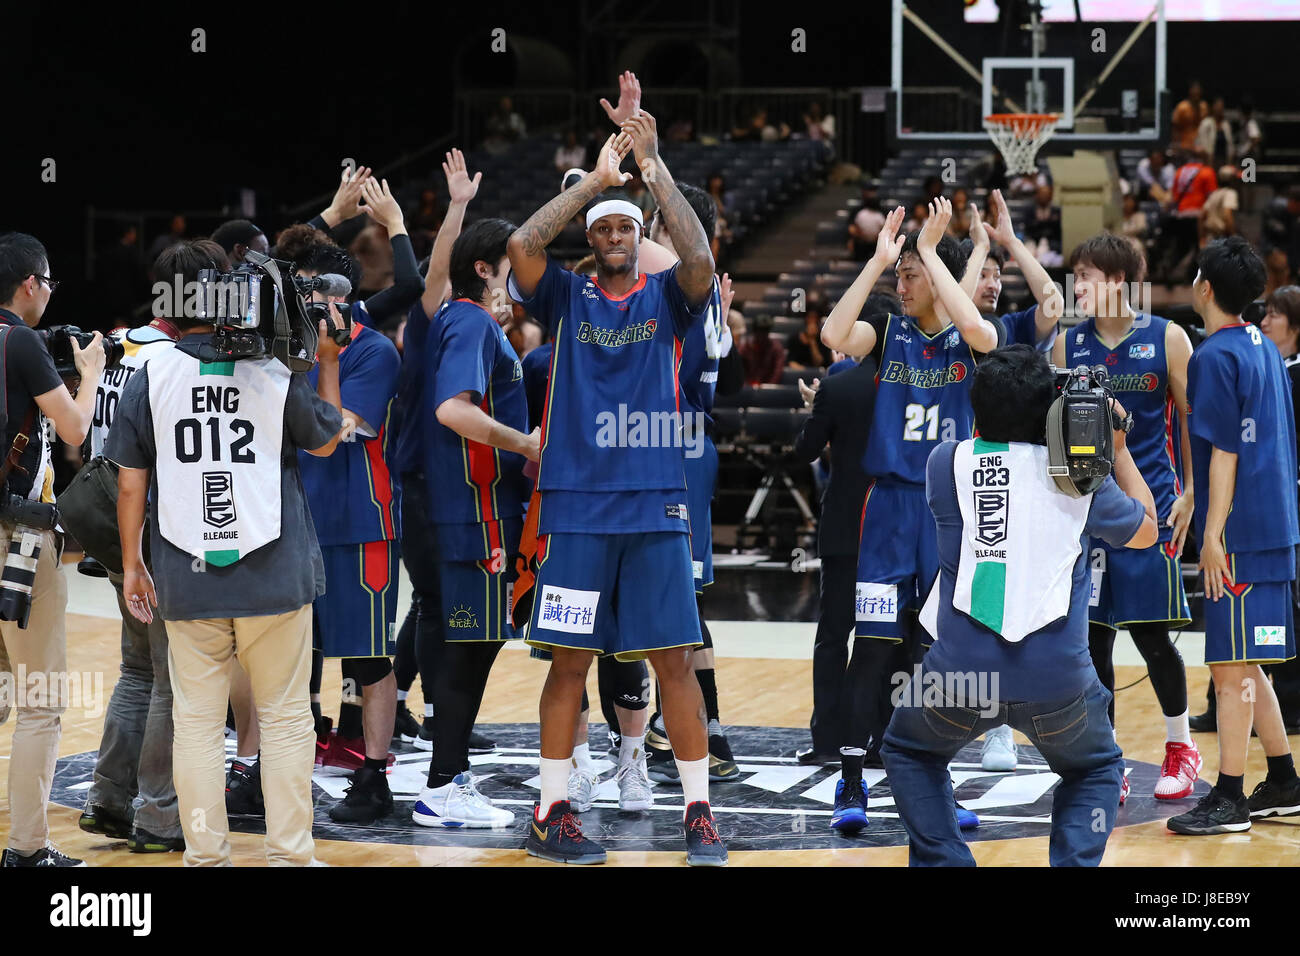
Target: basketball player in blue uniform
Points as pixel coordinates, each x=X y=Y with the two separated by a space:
x=926 y=360
x=475 y=417
x=613 y=551
x=1141 y=590
x=1244 y=457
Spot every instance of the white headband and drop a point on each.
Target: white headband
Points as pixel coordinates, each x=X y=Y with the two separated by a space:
x=613 y=207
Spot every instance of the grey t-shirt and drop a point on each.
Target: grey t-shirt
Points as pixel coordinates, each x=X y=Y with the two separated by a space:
x=278 y=577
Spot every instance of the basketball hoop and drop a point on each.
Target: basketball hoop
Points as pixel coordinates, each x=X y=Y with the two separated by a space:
x=1018 y=137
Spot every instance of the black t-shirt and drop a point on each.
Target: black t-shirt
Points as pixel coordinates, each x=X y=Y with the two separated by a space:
x=797 y=350
x=29 y=371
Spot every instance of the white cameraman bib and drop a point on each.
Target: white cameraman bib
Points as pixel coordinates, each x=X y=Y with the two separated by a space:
x=218 y=430
x=1020 y=539
x=139 y=346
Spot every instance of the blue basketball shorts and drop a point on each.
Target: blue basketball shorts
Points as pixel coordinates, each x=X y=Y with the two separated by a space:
x=355 y=616
x=1136 y=586
x=898 y=559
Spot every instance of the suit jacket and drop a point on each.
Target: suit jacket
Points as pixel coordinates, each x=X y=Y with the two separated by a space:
x=841 y=417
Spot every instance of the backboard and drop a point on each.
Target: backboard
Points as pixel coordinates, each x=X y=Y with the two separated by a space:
x=953 y=64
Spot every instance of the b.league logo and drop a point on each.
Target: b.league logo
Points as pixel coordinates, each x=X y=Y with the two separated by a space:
x=218 y=498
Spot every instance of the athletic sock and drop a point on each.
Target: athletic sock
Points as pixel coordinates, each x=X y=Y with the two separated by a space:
x=252 y=761
x=437 y=780
x=1230 y=786
x=428 y=710
x=851 y=762
x=581 y=759
x=555 y=783
x=1281 y=769
x=715 y=728
x=381 y=764
x=695 y=779
x=401 y=696
x=709 y=688
x=1177 y=730
x=350 y=721
x=630 y=749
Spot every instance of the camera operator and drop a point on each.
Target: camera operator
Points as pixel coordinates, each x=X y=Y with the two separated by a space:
x=135 y=753
x=1011 y=616
x=221 y=435
x=35 y=643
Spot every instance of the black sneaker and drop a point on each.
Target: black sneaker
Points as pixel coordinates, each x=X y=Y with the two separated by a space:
x=244 y=789
x=1271 y=800
x=405 y=727
x=101 y=820
x=660 y=764
x=367 y=799
x=47 y=856
x=559 y=838
x=424 y=739
x=478 y=744
x=1206 y=723
x=722 y=767
x=142 y=841
x=703 y=845
x=1215 y=813
x=811 y=757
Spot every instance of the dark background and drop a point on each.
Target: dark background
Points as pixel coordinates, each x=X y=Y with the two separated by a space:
x=135 y=120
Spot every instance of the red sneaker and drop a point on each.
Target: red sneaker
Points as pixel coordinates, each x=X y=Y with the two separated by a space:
x=346 y=754
x=1124 y=788
x=1179 y=772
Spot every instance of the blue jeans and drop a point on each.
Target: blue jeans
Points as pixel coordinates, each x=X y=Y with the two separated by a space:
x=1074 y=737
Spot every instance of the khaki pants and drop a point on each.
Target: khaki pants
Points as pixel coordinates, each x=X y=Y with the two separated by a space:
x=275 y=650
x=38 y=658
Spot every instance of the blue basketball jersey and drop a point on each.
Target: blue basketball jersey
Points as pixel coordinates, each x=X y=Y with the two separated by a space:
x=701 y=350
x=1240 y=398
x=408 y=454
x=1139 y=377
x=922 y=396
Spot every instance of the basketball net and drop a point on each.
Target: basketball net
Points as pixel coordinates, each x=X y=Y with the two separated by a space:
x=1018 y=137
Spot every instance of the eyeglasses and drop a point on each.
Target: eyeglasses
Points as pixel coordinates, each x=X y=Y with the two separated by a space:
x=52 y=283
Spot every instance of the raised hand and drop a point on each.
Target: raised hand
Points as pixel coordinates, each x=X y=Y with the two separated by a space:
x=645 y=136
x=978 y=236
x=935 y=226
x=1003 y=231
x=725 y=293
x=347 y=198
x=889 y=244
x=380 y=204
x=460 y=188
x=629 y=99
x=611 y=157
x=809 y=392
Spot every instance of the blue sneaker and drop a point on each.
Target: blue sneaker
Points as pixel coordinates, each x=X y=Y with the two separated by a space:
x=850 y=813
x=966 y=819
x=559 y=838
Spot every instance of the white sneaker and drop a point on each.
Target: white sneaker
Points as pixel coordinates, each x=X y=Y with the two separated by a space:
x=458 y=804
x=999 y=750
x=582 y=786
x=634 y=786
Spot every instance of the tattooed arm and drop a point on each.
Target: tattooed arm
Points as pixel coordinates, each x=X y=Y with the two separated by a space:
x=527 y=245
x=695 y=269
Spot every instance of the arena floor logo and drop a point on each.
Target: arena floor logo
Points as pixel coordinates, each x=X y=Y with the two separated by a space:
x=776 y=805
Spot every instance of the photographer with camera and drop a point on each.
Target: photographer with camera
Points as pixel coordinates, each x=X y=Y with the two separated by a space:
x=1010 y=613
x=217 y=422
x=135 y=753
x=33 y=591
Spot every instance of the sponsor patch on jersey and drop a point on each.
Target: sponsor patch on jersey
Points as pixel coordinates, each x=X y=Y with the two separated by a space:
x=1078 y=338
x=953 y=338
x=697 y=569
x=568 y=609
x=876 y=602
x=676 y=511
x=1270 y=637
x=1143 y=350
x=1094 y=590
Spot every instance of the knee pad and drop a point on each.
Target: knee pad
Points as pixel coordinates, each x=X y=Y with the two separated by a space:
x=625 y=684
x=366 y=670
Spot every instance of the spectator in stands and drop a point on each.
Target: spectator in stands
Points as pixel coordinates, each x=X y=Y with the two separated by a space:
x=570 y=153
x=1219 y=214
x=1155 y=176
x=1134 y=223
x=1044 y=229
x=237 y=236
x=866 y=224
x=1187 y=117
x=1250 y=132
x=1282 y=225
x=638 y=195
x=1214 y=136
x=504 y=127
x=1193 y=184
x=920 y=213
x=175 y=234
x=759 y=130
x=804 y=349
x=716 y=187
x=1028 y=184
x=959 y=226
x=681 y=130
x=819 y=126
x=1277 y=269
x=931 y=189
x=375 y=256
x=763 y=355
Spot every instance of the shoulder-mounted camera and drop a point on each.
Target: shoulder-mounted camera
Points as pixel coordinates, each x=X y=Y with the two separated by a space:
x=1080 y=430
